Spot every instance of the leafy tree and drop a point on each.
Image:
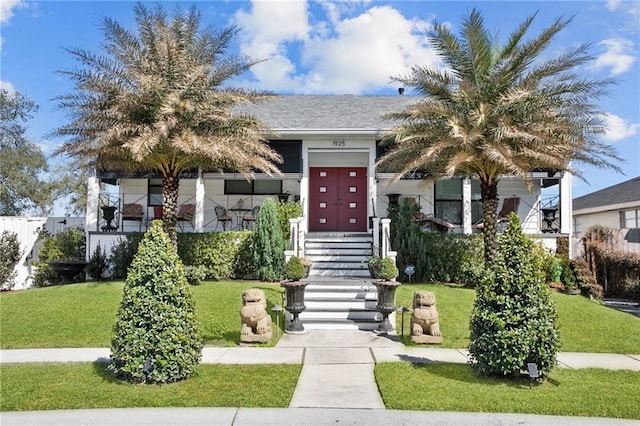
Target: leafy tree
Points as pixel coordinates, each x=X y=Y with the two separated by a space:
x=268 y=245
x=156 y=102
x=22 y=163
x=156 y=337
x=10 y=253
x=514 y=321
x=498 y=109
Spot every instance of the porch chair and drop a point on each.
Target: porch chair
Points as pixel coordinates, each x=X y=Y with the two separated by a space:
x=222 y=215
x=432 y=223
x=249 y=218
x=132 y=212
x=186 y=213
x=509 y=205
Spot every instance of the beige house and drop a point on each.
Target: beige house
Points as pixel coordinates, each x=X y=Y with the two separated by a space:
x=616 y=207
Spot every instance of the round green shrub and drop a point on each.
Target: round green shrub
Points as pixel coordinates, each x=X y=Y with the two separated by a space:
x=514 y=321
x=294 y=270
x=156 y=337
x=268 y=244
x=388 y=270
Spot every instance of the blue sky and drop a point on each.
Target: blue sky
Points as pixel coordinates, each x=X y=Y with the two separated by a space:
x=334 y=47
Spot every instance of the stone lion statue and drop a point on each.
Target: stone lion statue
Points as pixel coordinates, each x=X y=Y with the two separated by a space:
x=256 y=322
x=425 y=327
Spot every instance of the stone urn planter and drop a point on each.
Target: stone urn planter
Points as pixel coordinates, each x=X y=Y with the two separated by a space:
x=68 y=269
x=386 y=302
x=295 y=304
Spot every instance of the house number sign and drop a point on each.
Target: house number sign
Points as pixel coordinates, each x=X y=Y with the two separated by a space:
x=339 y=143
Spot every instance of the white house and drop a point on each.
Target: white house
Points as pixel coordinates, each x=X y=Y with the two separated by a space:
x=329 y=146
x=616 y=207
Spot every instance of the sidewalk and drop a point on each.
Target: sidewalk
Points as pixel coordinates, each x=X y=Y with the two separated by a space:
x=336 y=385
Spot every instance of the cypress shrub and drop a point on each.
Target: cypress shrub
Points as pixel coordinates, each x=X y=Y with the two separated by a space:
x=156 y=338
x=268 y=245
x=514 y=321
x=407 y=240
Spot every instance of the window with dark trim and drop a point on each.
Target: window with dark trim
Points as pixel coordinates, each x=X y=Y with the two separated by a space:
x=154 y=189
x=254 y=187
x=448 y=201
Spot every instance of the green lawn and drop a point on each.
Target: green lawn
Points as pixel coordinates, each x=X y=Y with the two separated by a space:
x=82 y=315
x=585 y=326
x=88 y=385
x=455 y=387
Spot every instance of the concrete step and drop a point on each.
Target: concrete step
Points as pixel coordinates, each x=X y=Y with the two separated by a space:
x=337 y=245
x=341 y=265
x=337 y=273
x=340 y=304
x=339 y=257
x=340 y=324
x=335 y=295
x=353 y=314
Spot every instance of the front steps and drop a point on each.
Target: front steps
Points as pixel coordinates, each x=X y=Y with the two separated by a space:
x=340 y=294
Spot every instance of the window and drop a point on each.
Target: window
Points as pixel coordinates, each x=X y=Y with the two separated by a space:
x=155 y=192
x=630 y=219
x=254 y=187
x=448 y=201
x=577 y=226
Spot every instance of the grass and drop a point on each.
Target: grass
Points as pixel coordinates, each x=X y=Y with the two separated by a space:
x=88 y=385
x=82 y=315
x=456 y=387
x=585 y=326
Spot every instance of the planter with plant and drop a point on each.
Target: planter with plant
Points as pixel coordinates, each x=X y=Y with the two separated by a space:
x=294 y=272
x=61 y=258
x=386 y=286
x=374 y=266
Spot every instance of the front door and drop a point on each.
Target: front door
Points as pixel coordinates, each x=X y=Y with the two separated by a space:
x=338 y=199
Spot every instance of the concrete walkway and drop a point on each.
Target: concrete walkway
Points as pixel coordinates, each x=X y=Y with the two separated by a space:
x=337 y=365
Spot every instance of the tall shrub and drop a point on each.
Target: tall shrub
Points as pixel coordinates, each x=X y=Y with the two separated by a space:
x=406 y=239
x=122 y=254
x=156 y=336
x=288 y=210
x=514 y=321
x=268 y=245
x=9 y=256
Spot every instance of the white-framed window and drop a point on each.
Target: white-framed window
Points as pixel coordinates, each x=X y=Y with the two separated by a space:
x=577 y=226
x=630 y=219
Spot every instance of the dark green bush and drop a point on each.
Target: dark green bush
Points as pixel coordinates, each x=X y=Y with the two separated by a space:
x=156 y=338
x=268 y=245
x=9 y=256
x=586 y=280
x=407 y=239
x=122 y=254
x=514 y=321
x=195 y=274
x=388 y=270
x=294 y=270
x=224 y=255
x=98 y=263
x=287 y=210
x=453 y=258
x=632 y=289
x=66 y=245
x=567 y=276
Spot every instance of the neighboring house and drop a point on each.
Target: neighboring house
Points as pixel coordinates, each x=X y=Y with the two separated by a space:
x=329 y=147
x=616 y=207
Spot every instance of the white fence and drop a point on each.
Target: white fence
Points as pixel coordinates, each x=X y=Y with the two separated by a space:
x=28 y=229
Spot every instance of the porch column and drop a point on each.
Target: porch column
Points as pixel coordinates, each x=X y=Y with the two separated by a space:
x=566 y=208
x=466 y=205
x=93 y=204
x=199 y=218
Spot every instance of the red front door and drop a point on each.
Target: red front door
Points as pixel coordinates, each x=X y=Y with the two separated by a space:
x=338 y=199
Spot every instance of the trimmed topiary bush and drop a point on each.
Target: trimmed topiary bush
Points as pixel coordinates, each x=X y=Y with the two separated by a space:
x=156 y=334
x=388 y=270
x=268 y=245
x=514 y=321
x=98 y=263
x=294 y=270
x=224 y=255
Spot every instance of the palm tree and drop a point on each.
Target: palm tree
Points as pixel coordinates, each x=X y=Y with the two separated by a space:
x=155 y=102
x=498 y=110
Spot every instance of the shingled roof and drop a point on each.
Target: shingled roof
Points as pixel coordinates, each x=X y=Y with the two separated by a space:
x=328 y=112
x=624 y=192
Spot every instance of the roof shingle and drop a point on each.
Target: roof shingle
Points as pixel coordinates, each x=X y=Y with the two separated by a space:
x=624 y=192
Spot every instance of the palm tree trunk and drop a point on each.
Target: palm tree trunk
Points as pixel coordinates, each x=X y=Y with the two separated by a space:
x=489 y=191
x=170 y=186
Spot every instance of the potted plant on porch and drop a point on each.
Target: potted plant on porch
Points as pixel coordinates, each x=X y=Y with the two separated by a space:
x=386 y=286
x=294 y=272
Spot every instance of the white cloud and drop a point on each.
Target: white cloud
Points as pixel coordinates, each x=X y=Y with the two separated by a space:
x=6 y=9
x=618 y=128
x=6 y=85
x=340 y=55
x=613 y=4
x=619 y=55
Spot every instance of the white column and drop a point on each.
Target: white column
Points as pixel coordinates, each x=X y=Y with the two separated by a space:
x=199 y=218
x=93 y=204
x=566 y=208
x=466 y=206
